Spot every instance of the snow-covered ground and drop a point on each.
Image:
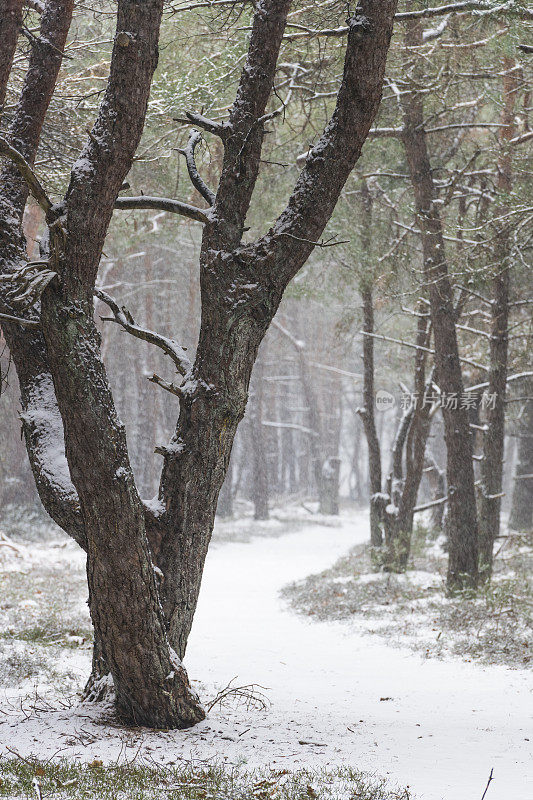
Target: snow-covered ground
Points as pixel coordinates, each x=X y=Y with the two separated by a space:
x=336 y=696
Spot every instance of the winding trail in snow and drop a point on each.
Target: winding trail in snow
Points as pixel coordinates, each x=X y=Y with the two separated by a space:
x=446 y=724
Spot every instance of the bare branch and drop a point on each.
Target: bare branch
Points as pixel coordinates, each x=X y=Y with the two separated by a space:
x=219 y=129
x=194 y=138
x=123 y=318
x=420 y=347
x=524 y=137
x=166 y=385
x=296 y=343
x=162 y=204
x=423 y=13
x=26 y=323
x=27 y=173
x=510 y=379
x=433 y=503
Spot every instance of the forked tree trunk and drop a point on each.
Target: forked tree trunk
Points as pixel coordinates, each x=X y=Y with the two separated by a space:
x=144 y=567
x=415 y=437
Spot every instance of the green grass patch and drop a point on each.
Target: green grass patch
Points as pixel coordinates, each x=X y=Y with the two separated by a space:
x=63 y=779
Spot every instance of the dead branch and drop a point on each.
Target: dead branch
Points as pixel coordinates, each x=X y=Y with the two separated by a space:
x=123 y=318
x=488 y=784
x=162 y=204
x=420 y=347
x=194 y=138
x=219 y=129
x=166 y=385
x=247 y=694
x=433 y=503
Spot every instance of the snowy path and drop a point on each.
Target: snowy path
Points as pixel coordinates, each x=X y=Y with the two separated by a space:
x=446 y=725
x=443 y=728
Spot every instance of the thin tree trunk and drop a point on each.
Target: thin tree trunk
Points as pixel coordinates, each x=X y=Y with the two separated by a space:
x=260 y=481
x=416 y=441
x=367 y=414
x=437 y=483
x=10 y=22
x=463 y=525
x=521 y=516
x=494 y=436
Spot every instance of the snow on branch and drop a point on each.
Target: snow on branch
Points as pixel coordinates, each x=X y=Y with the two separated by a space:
x=194 y=138
x=162 y=204
x=420 y=347
x=479 y=6
x=510 y=379
x=291 y=425
x=219 y=129
x=123 y=318
x=297 y=343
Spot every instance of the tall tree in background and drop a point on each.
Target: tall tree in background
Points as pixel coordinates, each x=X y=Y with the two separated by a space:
x=494 y=436
x=142 y=622
x=462 y=514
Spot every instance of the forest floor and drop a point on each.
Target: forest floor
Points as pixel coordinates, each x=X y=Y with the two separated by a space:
x=324 y=698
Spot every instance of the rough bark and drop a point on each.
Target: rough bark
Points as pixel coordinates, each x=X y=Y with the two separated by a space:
x=10 y=20
x=463 y=525
x=225 y=498
x=494 y=437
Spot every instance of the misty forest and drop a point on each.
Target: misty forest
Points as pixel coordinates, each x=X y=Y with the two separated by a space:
x=266 y=399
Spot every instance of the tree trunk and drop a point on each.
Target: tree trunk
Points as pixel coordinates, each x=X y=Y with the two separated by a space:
x=521 y=516
x=437 y=483
x=416 y=440
x=367 y=414
x=463 y=526
x=225 y=498
x=330 y=486
x=260 y=478
x=494 y=437
x=10 y=22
